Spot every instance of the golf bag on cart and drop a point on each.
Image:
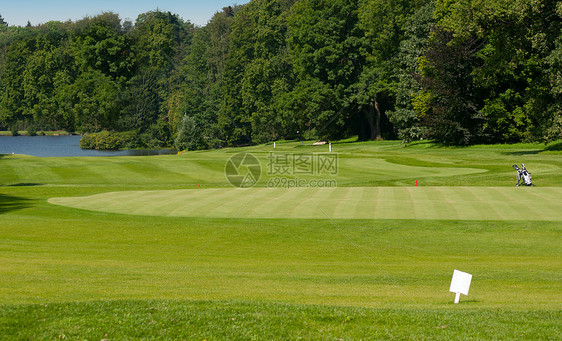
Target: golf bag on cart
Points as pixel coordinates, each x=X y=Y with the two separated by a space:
x=523 y=176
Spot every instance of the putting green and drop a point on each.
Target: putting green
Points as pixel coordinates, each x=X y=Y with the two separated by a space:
x=449 y=203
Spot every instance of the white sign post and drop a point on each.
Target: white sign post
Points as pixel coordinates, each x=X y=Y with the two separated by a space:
x=460 y=284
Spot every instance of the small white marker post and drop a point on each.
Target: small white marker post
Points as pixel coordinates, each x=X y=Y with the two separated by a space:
x=460 y=284
x=330 y=147
x=273 y=145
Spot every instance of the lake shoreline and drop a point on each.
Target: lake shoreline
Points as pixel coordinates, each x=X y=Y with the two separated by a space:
x=40 y=133
x=64 y=146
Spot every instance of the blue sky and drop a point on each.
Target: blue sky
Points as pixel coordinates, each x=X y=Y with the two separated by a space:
x=18 y=12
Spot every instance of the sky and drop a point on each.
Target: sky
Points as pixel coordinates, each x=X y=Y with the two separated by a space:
x=18 y=12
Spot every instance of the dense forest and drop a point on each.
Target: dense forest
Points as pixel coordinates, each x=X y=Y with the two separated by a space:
x=456 y=71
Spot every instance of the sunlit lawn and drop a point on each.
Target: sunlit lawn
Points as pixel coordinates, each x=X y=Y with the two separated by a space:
x=252 y=273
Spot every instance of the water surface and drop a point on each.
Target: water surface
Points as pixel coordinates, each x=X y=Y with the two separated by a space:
x=49 y=146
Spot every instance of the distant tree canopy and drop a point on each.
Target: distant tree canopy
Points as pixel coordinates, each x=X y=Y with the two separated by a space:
x=457 y=71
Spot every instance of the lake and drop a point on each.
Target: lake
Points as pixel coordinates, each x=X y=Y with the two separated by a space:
x=49 y=146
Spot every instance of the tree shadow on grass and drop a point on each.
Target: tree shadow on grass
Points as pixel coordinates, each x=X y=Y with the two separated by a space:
x=25 y=184
x=554 y=146
x=10 y=203
x=524 y=152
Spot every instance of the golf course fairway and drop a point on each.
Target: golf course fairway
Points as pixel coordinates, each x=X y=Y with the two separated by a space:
x=165 y=247
x=450 y=203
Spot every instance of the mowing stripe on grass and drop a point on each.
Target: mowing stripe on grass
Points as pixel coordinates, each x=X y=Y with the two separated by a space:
x=449 y=203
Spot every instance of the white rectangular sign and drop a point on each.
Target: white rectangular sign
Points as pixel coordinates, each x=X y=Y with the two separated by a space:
x=460 y=282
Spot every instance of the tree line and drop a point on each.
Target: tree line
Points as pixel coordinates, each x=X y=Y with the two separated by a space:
x=456 y=71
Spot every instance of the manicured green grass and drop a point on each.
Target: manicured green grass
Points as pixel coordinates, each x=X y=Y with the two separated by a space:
x=71 y=255
x=359 y=165
x=248 y=274
x=450 y=203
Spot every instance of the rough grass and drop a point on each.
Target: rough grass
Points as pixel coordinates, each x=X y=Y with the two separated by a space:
x=83 y=274
x=233 y=320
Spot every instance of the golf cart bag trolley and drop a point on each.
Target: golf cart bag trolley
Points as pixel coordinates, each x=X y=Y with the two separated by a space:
x=523 y=176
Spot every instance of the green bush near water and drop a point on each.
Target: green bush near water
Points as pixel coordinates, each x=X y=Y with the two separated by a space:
x=32 y=130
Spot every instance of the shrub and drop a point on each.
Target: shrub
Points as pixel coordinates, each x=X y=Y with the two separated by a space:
x=88 y=141
x=31 y=130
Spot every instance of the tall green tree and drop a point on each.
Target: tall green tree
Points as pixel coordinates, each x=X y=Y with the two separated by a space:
x=3 y=24
x=506 y=93
x=203 y=73
x=100 y=44
x=325 y=47
x=234 y=120
x=143 y=103
x=49 y=68
x=408 y=90
x=453 y=116
x=160 y=40
x=269 y=73
x=554 y=70
x=12 y=108
x=383 y=23
x=94 y=101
